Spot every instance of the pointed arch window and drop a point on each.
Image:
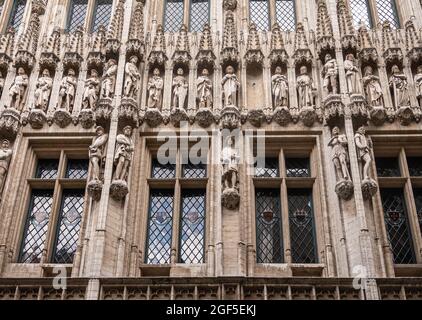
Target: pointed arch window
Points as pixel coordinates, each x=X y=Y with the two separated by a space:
x=16 y=15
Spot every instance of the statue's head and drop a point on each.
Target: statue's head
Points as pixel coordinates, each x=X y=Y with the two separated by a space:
x=229 y=70
x=134 y=59
x=368 y=71
x=156 y=72
x=5 y=144
x=419 y=69
x=127 y=131
x=99 y=130
x=230 y=141
x=362 y=130
x=278 y=70
x=327 y=57
x=395 y=69
x=71 y=72
x=94 y=73
x=21 y=71
x=335 y=131
x=180 y=72
x=205 y=72
x=112 y=62
x=303 y=70
x=46 y=73
x=350 y=57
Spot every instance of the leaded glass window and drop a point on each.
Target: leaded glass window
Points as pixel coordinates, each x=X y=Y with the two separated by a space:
x=388 y=167
x=36 y=226
x=415 y=166
x=102 y=14
x=397 y=225
x=269 y=245
x=1 y=6
x=160 y=224
x=192 y=226
x=360 y=13
x=77 y=14
x=69 y=224
x=163 y=171
x=259 y=12
x=16 y=16
x=286 y=14
x=418 y=200
x=199 y=14
x=77 y=169
x=270 y=169
x=302 y=227
x=173 y=17
x=194 y=171
x=387 y=11
x=47 y=169
x=297 y=167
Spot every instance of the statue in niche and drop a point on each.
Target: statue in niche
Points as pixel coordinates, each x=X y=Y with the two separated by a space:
x=91 y=90
x=372 y=87
x=5 y=155
x=180 y=89
x=132 y=77
x=67 y=91
x=305 y=88
x=231 y=86
x=155 y=90
x=18 y=89
x=280 y=88
x=418 y=84
x=109 y=79
x=43 y=90
x=352 y=74
x=123 y=153
x=340 y=157
x=330 y=73
x=204 y=89
x=398 y=86
x=230 y=160
x=1 y=83
x=97 y=152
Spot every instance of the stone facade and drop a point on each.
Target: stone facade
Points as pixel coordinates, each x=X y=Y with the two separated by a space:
x=339 y=95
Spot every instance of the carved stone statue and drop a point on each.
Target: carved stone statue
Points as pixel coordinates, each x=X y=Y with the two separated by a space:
x=418 y=84
x=5 y=155
x=67 y=91
x=180 y=89
x=230 y=161
x=97 y=152
x=43 y=90
x=398 y=86
x=109 y=79
x=123 y=153
x=18 y=89
x=280 y=88
x=132 y=77
x=231 y=86
x=352 y=74
x=1 y=83
x=91 y=90
x=155 y=90
x=305 y=88
x=204 y=89
x=330 y=73
x=372 y=87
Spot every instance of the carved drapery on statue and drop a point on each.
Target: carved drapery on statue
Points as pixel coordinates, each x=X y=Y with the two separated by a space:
x=230 y=178
x=97 y=155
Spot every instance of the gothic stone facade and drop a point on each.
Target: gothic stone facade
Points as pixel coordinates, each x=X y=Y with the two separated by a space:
x=334 y=213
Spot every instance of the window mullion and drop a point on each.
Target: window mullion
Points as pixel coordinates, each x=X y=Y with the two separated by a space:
x=177 y=207
x=186 y=10
x=89 y=18
x=374 y=17
x=284 y=210
x=273 y=18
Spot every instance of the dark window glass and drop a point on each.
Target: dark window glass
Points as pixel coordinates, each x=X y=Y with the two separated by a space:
x=286 y=14
x=259 y=11
x=418 y=200
x=163 y=171
x=298 y=167
x=194 y=171
x=415 y=166
x=77 y=14
x=47 y=169
x=302 y=227
x=360 y=12
x=387 y=167
x=102 y=14
x=160 y=224
x=192 y=228
x=36 y=226
x=68 y=227
x=77 y=169
x=397 y=225
x=269 y=244
x=16 y=16
x=387 y=11
x=199 y=14
x=270 y=170
x=173 y=18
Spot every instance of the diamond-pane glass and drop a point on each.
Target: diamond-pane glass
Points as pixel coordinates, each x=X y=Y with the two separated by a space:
x=16 y=15
x=47 y=169
x=102 y=14
x=360 y=13
x=160 y=224
x=418 y=200
x=270 y=170
x=77 y=14
x=194 y=171
x=387 y=167
x=69 y=225
x=397 y=225
x=387 y=11
x=173 y=18
x=302 y=231
x=163 y=171
x=415 y=166
x=286 y=14
x=192 y=237
x=77 y=169
x=259 y=11
x=199 y=14
x=36 y=226
x=298 y=167
x=269 y=245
